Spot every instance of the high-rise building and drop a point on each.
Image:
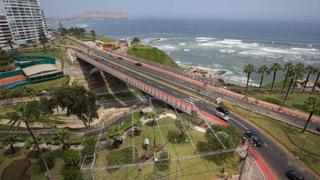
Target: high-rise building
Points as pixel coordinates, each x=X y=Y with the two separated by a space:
x=25 y=19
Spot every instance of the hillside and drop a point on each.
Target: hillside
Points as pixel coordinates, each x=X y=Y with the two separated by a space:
x=151 y=54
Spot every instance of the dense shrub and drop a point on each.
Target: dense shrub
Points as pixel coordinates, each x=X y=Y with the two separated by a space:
x=71 y=158
x=49 y=160
x=89 y=145
x=73 y=173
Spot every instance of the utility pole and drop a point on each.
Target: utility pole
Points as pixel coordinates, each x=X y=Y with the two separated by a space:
x=245 y=159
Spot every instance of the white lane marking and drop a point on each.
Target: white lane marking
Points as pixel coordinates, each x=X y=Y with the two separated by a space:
x=265 y=144
x=210 y=107
x=194 y=99
x=240 y=124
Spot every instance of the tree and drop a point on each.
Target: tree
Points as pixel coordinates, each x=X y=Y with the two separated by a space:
x=71 y=158
x=71 y=168
x=262 y=70
x=248 y=69
x=62 y=136
x=291 y=75
x=313 y=105
x=317 y=70
x=286 y=68
x=84 y=106
x=28 y=114
x=183 y=125
x=299 y=70
x=135 y=40
x=275 y=68
x=89 y=146
x=43 y=39
x=9 y=140
x=93 y=34
x=310 y=71
x=10 y=43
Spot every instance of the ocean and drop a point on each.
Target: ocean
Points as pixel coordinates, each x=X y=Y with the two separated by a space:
x=220 y=44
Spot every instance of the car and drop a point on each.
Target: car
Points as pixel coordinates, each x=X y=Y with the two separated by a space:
x=294 y=175
x=223 y=110
x=138 y=64
x=256 y=141
x=223 y=116
x=248 y=134
x=318 y=127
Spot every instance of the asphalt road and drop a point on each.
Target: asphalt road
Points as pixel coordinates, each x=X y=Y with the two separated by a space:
x=276 y=157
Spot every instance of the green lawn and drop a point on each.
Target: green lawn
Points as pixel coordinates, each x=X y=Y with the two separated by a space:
x=295 y=101
x=48 y=85
x=195 y=168
x=306 y=146
x=88 y=37
x=151 y=54
x=278 y=84
x=118 y=95
x=52 y=52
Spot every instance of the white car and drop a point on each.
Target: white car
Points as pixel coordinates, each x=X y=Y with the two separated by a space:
x=223 y=116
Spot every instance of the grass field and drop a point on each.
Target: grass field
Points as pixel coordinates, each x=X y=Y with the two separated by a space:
x=306 y=146
x=195 y=168
x=117 y=95
x=151 y=54
x=294 y=101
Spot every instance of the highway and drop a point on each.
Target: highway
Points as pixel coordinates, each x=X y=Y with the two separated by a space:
x=276 y=157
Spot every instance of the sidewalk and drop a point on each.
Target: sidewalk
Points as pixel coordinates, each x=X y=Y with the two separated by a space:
x=255 y=168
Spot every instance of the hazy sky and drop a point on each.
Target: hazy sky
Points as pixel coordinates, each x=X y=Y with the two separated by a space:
x=227 y=9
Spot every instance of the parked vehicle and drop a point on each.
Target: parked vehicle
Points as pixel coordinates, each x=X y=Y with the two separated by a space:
x=294 y=175
x=223 y=110
x=138 y=64
x=318 y=127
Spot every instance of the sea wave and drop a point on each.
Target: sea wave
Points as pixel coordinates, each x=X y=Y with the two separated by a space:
x=167 y=47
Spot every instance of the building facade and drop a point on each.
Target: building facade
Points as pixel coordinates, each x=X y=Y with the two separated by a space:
x=25 y=19
x=5 y=33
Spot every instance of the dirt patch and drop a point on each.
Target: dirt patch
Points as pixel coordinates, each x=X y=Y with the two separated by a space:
x=17 y=170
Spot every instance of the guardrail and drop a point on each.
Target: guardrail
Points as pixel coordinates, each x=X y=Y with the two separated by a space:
x=169 y=99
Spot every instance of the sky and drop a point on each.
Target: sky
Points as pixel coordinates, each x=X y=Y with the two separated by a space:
x=218 y=9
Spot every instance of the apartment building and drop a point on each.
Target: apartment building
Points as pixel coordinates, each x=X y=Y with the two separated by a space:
x=25 y=19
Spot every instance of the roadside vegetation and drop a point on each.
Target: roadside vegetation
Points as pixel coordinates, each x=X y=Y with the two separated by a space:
x=291 y=92
x=82 y=34
x=151 y=54
x=305 y=146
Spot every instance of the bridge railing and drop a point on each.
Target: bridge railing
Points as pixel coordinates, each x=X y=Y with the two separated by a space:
x=159 y=94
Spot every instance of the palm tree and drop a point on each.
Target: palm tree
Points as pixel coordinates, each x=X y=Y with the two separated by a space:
x=310 y=70
x=317 y=70
x=291 y=71
x=275 y=67
x=313 y=105
x=28 y=114
x=262 y=70
x=248 y=69
x=299 y=70
x=286 y=68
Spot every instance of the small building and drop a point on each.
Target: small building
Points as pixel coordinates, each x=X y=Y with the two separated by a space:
x=42 y=72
